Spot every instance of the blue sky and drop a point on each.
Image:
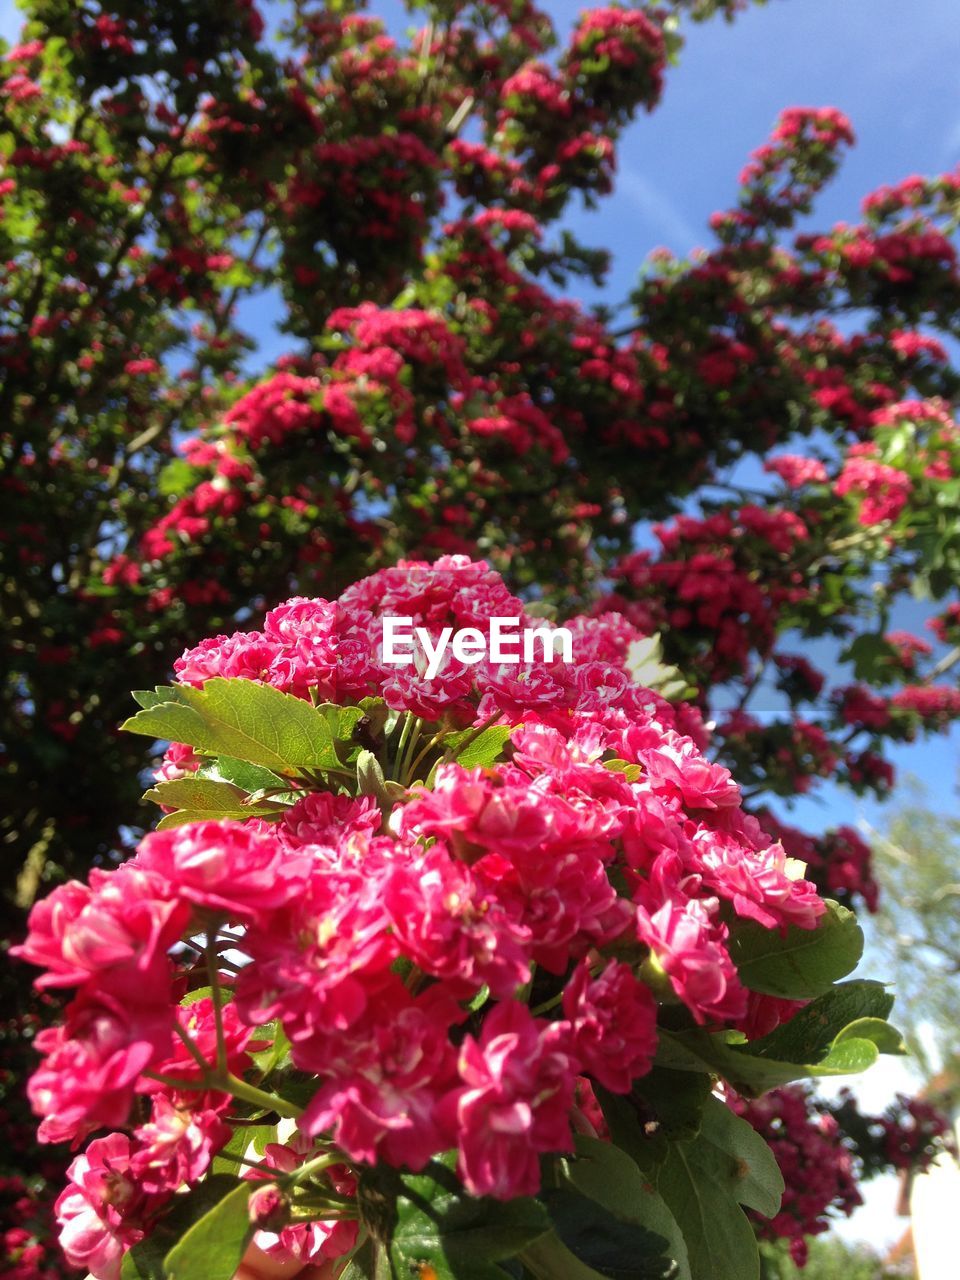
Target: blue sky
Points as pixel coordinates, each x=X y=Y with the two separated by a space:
x=891 y=65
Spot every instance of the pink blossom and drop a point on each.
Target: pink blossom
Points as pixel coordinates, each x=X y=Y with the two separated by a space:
x=176 y=1145
x=514 y=1103
x=99 y=1211
x=224 y=868
x=612 y=1024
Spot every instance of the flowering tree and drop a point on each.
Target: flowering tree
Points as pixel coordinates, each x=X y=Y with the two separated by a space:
x=400 y=201
x=486 y=936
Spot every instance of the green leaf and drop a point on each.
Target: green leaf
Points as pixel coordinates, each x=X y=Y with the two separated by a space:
x=342 y=720
x=814 y=1029
x=609 y=1245
x=841 y=1033
x=740 y=1158
x=471 y=749
x=212 y=1248
x=176 y=478
x=370 y=1262
x=871 y=656
x=244 y=720
x=147 y=1260
x=803 y=963
x=249 y=777
x=203 y=796
x=427 y=1219
x=604 y=1173
x=243 y=1136
x=664 y=1106
x=631 y=771
x=720 y=1241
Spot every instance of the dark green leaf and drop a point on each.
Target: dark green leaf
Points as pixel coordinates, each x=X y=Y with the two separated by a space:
x=612 y=1246
x=804 y=963
x=841 y=1033
x=604 y=1173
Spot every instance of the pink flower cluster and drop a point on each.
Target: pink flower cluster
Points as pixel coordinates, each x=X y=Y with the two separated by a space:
x=819 y=1171
x=883 y=491
x=400 y=943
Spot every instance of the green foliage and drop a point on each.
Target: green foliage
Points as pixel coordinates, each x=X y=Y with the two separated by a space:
x=242 y=719
x=841 y=1033
x=802 y=963
x=202 y=1238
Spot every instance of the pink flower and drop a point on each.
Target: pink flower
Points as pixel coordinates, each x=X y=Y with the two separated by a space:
x=514 y=1104
x=454 y=927
x=885 y=491
x=224 y=868
x=176 y=1146
x=686 y=942
x=386 y=1079
x=123 y=923
x=99 y=1210
x=93 y=1063
x=612 y=1024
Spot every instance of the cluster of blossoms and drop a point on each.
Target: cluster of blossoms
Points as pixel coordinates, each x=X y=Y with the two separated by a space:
x=909 y=1135
x=455 y=952
x=818 y=1169
x=825 y=1148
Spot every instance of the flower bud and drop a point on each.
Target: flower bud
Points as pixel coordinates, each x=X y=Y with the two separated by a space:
x=269 y=1208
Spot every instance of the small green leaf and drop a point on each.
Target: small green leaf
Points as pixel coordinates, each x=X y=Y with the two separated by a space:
x=483 y=749
x=203 y=796
x=244 y=720
x=212 y=1248
x=630 y=771
x=801 y=964
x=147 y=1260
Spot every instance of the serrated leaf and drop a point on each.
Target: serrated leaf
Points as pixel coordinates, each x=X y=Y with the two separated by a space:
x=206 y=797
x=841 y=1033
x=605 y=1173
x=471 y=749
x=609 y=1245
x=244 y=720
x=802 y=963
